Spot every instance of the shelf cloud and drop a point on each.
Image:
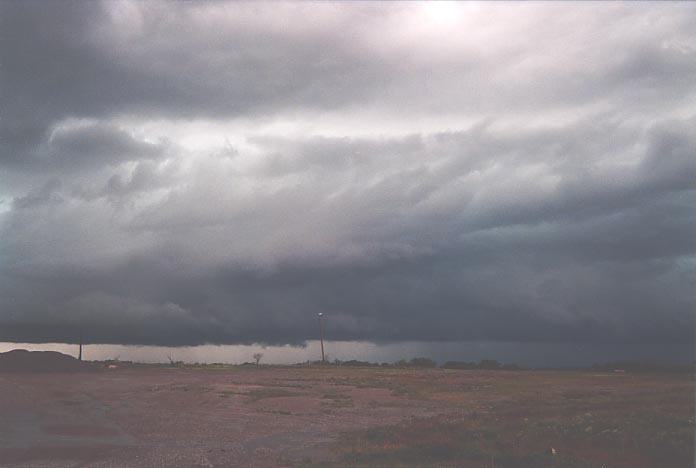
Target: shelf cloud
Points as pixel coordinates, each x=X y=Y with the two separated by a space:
x=209 y=172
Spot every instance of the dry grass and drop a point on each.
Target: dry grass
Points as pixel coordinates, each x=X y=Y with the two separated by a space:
x=537 y=420
x=334 y=416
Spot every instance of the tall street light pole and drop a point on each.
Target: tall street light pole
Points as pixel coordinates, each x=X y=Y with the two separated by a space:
x=79 y=356
x=321 y=335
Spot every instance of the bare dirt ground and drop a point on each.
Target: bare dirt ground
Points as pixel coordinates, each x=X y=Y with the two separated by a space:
x=293 y=416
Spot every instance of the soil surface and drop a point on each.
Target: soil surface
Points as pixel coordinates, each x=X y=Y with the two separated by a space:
x=314 y=416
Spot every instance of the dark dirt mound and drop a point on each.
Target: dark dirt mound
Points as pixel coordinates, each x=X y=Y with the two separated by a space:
x=21 y=360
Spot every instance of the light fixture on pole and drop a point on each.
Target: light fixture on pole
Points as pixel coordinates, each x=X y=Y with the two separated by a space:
x=321 y=335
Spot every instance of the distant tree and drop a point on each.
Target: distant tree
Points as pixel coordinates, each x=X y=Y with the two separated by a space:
x=257 y=357
x=489 y=364
x=422 y=362
x=355 y=363
x=459 y=365
x=172 y=362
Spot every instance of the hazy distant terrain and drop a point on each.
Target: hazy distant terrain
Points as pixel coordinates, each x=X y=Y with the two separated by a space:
x=338 y=416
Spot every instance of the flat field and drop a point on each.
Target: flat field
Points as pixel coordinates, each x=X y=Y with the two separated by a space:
x=314 y=416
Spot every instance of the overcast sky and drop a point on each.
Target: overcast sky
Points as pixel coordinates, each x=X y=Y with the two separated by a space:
x=189 y=173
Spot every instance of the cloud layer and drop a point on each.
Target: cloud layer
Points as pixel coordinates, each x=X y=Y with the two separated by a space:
x=187 y=173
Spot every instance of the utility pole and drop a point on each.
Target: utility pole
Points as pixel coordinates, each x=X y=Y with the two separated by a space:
x=79 y=356
x=321 y=335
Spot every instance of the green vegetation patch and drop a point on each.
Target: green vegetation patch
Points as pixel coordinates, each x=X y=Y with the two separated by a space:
x=269 y=392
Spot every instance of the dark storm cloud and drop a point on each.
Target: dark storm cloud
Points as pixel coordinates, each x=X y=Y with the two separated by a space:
x=548 y=197
x=97 y=145
x=70 y=59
